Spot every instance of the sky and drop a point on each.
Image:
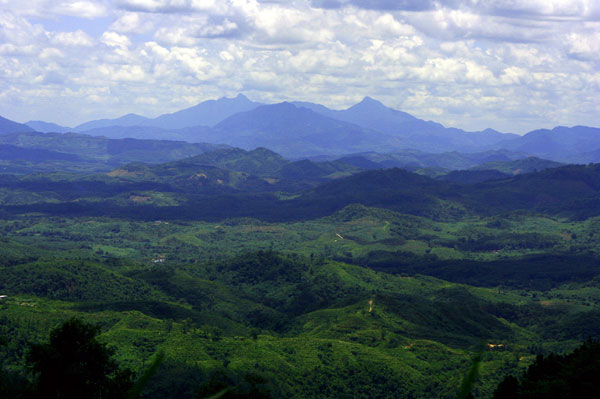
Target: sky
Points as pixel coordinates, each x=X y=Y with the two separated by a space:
x=511 y=65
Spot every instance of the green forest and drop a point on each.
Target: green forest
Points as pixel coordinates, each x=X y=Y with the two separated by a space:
x=238 y=274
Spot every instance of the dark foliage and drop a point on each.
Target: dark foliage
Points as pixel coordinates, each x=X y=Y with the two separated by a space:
x=228 y=385
x=557 y=376
x=73 y=364
x=540 y=272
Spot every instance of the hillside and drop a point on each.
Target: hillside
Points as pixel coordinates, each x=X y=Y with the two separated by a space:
x=206 y=113
x=296 y=132
x=519 y=166
x=300 y=129
x=413 y=133
x=296 y=317
x=7 y=127
x=46 y=127
x=413 y=159
x=563 y=144
x=88 y=153
x=261 y=184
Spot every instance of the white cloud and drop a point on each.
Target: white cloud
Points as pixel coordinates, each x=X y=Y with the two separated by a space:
x=132 y=23
x=585 y=45
x=51 y=52
x=83 y=9
x=175 y=36
x=126 y=73
x=504 y=64
x=77 y=38
x=170 y=6
x=113 y=39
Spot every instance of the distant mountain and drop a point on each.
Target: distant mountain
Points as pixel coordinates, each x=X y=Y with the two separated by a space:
x=259 y=162
x=105 y=151
x=35 y=155
x=472 y=176
x=589 y=157
x=413 y=133
x=125 y=120
x=519 y=166
x=413 y=159
x=207 y=113
x=367 y=113
x=233 y=170
x=571 y=191
x=296 y=131
x=7 y=126
x=46 y=127
x=368 y=125
x=308 y=170
x=564 y=144
x=301 y=130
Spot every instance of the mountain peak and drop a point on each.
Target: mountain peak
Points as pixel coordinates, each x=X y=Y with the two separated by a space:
x=240 y=98
x=371 y=100
x=368 y=104
x=8 y=126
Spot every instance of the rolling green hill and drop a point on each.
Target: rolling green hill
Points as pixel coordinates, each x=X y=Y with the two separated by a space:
x=250 y=270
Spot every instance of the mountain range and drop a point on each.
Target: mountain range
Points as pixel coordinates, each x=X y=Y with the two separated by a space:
x=302 y=129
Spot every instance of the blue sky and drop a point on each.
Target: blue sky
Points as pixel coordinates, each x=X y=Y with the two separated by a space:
x=506 y=64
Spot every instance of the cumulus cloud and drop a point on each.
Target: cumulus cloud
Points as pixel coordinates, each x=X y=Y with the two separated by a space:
x=584 y=45
x=408 y=5
x=469 y=63
x=76 y=38
x=169 y=6
x=113 y=39
x=132 y=22
x=82 y=9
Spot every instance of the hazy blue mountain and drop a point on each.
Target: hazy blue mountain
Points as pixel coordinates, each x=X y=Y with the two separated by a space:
x=125 y=120
x=414 y=133
x=294 y=132
x=301 y=129
x=519 y=166
x=107 y=151
x=565 y=144
x=133 y=132
x=47 y=127
x=589 y=157
x=7 y=126
x=368 y=113
x=413 y=159
x=259 y=162
x=207 y=113
x=572 y=191
x=13 y=153
x=472 y=176
x=186 y=124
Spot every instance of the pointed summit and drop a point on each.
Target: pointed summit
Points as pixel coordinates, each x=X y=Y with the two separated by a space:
x=240 y=98
x=8 y=126
x=368 y=103
x=372 y=113
x=207 y=113
x=125 y=120
x=47 y=127
x=370 y=100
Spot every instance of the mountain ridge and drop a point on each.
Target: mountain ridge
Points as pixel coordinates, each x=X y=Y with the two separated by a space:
x=366 y=126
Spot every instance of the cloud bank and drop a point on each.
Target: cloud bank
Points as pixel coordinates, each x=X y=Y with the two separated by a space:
x=471 y=64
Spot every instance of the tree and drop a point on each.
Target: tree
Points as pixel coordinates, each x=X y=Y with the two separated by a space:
x=73 y=364
x=570 y=376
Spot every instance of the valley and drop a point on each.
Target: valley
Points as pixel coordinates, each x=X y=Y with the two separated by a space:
x=357 y=271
